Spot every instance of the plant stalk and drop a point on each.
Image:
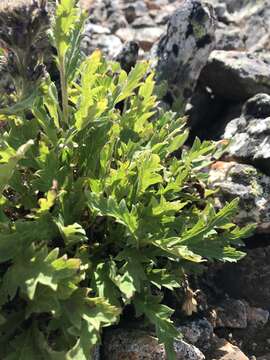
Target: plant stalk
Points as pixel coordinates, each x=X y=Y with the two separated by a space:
x=64 y=91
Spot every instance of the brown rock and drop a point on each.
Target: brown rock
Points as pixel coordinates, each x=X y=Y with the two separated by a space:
x=127 y=344
x=146 y=37
x=226 y=351
x=257 y=317
x=231 y=314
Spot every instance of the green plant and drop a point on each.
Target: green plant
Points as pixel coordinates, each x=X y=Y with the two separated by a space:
x=96 y=210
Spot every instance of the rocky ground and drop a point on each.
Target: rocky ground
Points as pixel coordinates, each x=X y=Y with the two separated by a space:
x=216 y=61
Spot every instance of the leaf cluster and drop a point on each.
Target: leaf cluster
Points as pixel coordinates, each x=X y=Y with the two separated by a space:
x=101 y=205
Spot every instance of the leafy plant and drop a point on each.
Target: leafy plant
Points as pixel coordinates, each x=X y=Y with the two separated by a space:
x=101 y=205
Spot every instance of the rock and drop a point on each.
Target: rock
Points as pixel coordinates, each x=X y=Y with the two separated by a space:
x=198 y=332
x=250 y=134
x=257 y=317
x=231 y=314
x=146 y=37
x=162 y=17
x=95 y=29
x=252 y=271
x=209 y=110
x=249 y=20
x=183 y=50
x=264 y=357
x=144 y=21
x=226 y=351
x=110 y=45
x=249 y=185
x=237 y=75
x=126 y=34
x=128 y=56
x=238 y=314
x=256 y=23
x=185 y=351
x=229 y=38
x=257 y=107
x=127 y=344
x=134 y=10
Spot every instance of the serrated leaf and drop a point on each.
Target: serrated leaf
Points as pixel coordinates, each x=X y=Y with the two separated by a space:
x=32 y=269
x=111 y=208
x=132 y=81
x=148 y=171
x=72 y=234
x=159 y=315
x=7 y=169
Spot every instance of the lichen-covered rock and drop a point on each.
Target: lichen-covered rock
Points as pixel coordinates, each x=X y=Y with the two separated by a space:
x=124 y=344
x=237 y=75
x=250 y=134
x=243 y=25
x=184 y=49
x=249 y=185
x=198 y=333
x=128 y=55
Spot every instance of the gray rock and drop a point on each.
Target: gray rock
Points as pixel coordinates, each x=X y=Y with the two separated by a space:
x=184 y=49
x=257 y=107
x=257 y=317
x=237 y=75
x=231 y=314
x=198 y=333
x=110 y=45
x=250 y=278
x=250 y=133
x=255 y=18
x=95 y=29
x=250 y=186
x=147 y=36
x=248 y=20
x=143 y=22
x=229 y=38
x=128 y=56
x=138 y=345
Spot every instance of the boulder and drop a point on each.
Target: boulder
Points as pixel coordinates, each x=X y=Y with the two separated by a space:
x=231 y=314
x=249 y=279
x=237 y=75
x=250 y=133
x=249 y=185
x=198 y=333
x=243 y=25
x=238 y=314
x=224 y=350
x=183 y=50
x=128 y=55
x=147 y=36
x=127 y=344
x=109 y=44
x=257 y=317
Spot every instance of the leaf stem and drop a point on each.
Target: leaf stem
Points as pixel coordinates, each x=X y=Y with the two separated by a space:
x=64 y=92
